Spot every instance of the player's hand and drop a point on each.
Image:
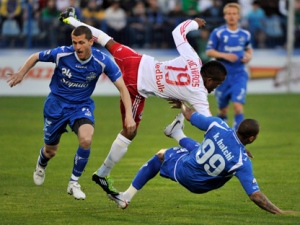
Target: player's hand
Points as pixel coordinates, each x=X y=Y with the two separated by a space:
x=231 y=57
x=201 y=22
x=14 y=79
x=246 y=58
x=249 y=154
x=176 y=104
x=130 y=125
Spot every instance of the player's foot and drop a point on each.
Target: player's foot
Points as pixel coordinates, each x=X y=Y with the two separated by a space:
x=64 y=16
x=177 y=124
x=106 y=183
x=39 y=174
x=74 y=189
x=119 y=200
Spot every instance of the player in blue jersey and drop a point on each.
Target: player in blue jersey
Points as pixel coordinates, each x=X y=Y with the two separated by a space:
x=206 y=166
x=77 y=70
x=232 y=46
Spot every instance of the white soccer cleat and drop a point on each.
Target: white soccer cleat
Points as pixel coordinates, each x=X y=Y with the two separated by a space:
x=39 y=174
x=177 y=124
x=74 y=189
x=119 y=200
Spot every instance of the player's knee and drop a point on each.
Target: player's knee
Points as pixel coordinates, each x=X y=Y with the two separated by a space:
x=50 y=151
x=238 y=107
x=85 y=142
x=129 y=135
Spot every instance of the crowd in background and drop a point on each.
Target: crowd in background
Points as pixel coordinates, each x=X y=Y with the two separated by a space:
x=140 y=23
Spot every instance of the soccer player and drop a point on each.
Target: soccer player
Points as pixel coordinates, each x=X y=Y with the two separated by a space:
x=206 y=166
x=232 y=46
x=77 y=70
x=183 y=78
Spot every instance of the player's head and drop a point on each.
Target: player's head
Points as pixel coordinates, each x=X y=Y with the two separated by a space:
x=248 y=131
x=232 y=13
x=82 y=40
x=213 y=73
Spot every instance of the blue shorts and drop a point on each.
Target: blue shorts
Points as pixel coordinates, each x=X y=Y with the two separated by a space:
x=58 y=114
x=171 y=157
x=233 y=89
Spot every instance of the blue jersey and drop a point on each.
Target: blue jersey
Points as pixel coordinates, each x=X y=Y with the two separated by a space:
x=74 y=80
x=209 y=165
x=224 y=40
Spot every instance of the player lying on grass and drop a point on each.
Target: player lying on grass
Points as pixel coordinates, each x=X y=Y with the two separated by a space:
x=206 y=166
x=183 y=78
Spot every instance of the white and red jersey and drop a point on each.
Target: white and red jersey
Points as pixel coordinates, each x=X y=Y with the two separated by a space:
x=179 y=78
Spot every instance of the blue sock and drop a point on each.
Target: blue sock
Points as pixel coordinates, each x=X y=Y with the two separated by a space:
x=188 y=143
x=224 y=118
x=237 y=120
x=147 y=172
x=80 y=160
x=43 y=161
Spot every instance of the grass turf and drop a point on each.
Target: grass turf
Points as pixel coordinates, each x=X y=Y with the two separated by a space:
x=276 y=167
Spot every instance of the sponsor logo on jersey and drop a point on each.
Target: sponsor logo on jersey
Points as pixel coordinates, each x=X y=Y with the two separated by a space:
x=91 y=77
x=233 y=48
x=159 y=77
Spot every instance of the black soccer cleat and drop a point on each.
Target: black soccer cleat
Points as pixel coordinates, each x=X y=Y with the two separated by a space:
x=105 y=183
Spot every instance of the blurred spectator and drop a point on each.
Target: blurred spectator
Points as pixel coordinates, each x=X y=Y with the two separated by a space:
x=201 y=45
x=155 y=18
x=176 y=15
x=93 y=14
x=213 y=15
x=116 y=21
x=127 y=5
x=31 y=32
x=166 y=5
x=297 y=23
x=50 y=22
x=174 y=18
x=138 y=26
x=190 y=7
x=62 y=5
x=256 y=26
x=203 y=5
x=274 y=32
x=11 y=10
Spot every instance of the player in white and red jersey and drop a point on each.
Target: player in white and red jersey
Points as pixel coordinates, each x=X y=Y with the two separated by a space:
x=183 y=78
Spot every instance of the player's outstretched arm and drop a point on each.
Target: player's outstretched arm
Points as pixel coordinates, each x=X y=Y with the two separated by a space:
x=16 y=78
x=263 y=202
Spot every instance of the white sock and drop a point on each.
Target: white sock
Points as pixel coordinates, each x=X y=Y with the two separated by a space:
x=130 y=193
x=178 y=135
x=102 y=38
x=116 y=153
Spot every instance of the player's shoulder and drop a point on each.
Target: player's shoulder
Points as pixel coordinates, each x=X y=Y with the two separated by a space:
x=99 y=55
x=244 y=31
x=219 y=30
x=56 y=51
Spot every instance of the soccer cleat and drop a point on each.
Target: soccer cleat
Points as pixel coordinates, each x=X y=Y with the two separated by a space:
x=64 y=16
x=74 y=189
x=39 y=174
x=105 y=183
x=177 y=124
x=119 y=200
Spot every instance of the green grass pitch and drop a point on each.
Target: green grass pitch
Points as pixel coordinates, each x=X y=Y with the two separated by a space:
x=276 y=167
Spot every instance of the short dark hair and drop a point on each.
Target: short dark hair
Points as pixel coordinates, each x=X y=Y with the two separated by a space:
x=213 y=69
x=80 y=30
x=248 y=128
